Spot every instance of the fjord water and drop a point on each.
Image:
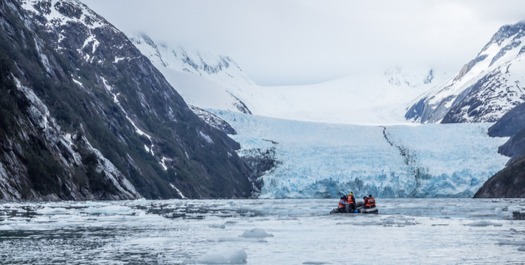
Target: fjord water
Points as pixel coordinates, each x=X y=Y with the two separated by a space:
x=406 y=231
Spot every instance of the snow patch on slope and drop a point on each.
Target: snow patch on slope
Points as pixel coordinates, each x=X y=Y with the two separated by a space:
x=109 y=170
x=60 y=13
x=140 y=132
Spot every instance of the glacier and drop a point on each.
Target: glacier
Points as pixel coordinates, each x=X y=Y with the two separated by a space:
x=322 y=160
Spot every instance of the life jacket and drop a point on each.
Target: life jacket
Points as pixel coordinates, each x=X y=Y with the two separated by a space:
x=341 y=203
x=367 y=203
x=372 y=201
x=351 y=199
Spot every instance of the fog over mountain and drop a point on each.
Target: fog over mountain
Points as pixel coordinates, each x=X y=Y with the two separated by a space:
x=308 y=41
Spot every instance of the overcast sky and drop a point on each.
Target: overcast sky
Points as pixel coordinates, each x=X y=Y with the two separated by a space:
x=303 y=41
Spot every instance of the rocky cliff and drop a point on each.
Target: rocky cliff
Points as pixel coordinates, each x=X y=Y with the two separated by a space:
x=84 y=115
x=510 y=181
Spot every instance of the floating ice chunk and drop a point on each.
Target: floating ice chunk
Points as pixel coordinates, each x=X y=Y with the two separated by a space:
x=287 y=218
x=440 y=224
x=228 y=257
x=53 y=211
x=219 y=226
x=315 y=262
x=6 y=227
x=367 y=223
x=240 y=239
x=256 y=233
x=483 y=223
x=486 y=213
x=398 y=221
x=512 y=242
x=110 y=210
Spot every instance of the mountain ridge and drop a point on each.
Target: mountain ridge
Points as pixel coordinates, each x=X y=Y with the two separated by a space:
x=116 y=129
x=380 y=97
x=204 y=80
x=484 y=89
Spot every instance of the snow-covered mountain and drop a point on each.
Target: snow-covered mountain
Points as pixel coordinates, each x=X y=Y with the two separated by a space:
x=204 y=80
x=84 y=115
x=486 y=88
x=376 y=98
x=217 y=82
x=315 y=160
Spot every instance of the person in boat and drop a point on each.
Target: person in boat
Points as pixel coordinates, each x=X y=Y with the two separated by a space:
x=351 y=201
x=371 y=202
x=343 y=201
x=366 y=203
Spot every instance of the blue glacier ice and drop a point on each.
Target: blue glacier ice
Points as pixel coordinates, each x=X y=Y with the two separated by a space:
x=319 y=160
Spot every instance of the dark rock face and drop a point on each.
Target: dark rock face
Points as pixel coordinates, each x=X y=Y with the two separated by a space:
x=214 y=120
x=515 y=146
x=508 y=183
x=510 y=123
x=260 y=162
x=85 y=116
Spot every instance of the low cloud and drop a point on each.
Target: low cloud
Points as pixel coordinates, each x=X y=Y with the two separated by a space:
x=303 y=41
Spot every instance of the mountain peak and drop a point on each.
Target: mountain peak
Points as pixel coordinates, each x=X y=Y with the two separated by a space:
x=183 y=59
x=507 y=31
x=485 y=88
x=205 y=80
x=61 y=12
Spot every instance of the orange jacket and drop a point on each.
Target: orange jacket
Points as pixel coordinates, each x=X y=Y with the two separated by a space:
x=367 y=203
x=372 y=201
x=351 y=199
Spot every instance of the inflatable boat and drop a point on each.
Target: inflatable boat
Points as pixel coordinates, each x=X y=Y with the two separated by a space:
x=359 y=208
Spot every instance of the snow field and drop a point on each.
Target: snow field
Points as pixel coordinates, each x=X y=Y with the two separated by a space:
x=217 y=82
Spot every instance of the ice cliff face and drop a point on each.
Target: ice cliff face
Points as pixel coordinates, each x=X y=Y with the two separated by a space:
x=486 y=88
x=315 y=160
x=84 y=115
